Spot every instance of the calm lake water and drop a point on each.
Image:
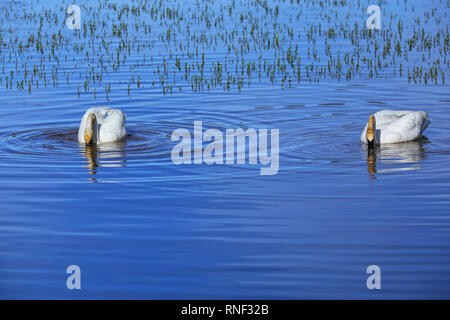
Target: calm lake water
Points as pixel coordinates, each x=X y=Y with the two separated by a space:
x=142 y=227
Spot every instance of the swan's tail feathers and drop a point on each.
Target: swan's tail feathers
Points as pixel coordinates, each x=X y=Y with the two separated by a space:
x=425 y=125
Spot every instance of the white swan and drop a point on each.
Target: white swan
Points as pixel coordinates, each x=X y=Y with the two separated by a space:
x=102 y=125
x=389 y=126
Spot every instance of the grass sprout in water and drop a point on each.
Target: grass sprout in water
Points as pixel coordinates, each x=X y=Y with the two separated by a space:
x=199 y=46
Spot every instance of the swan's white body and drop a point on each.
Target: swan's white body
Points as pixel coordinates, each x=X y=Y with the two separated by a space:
x=397 y=126
x=110 y=125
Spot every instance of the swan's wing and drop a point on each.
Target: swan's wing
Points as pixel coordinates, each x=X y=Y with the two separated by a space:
x=406 y=128
x=383 y=119
x=81 y=129
x=393 y=113
x=113 y=127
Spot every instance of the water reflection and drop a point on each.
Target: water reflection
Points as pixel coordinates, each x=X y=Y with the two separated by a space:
x=104 y=155
x=395 y=157
x=371 y=162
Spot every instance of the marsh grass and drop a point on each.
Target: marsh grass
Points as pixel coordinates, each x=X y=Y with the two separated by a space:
x=229 y=45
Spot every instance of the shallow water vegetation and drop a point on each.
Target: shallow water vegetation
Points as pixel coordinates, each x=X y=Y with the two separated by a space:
x=228 y=45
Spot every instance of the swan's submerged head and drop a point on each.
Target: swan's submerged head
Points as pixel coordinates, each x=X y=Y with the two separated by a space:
x=90 y=131
x=370 y=134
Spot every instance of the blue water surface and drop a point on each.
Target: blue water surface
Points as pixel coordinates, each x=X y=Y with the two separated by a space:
x=141 y=227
